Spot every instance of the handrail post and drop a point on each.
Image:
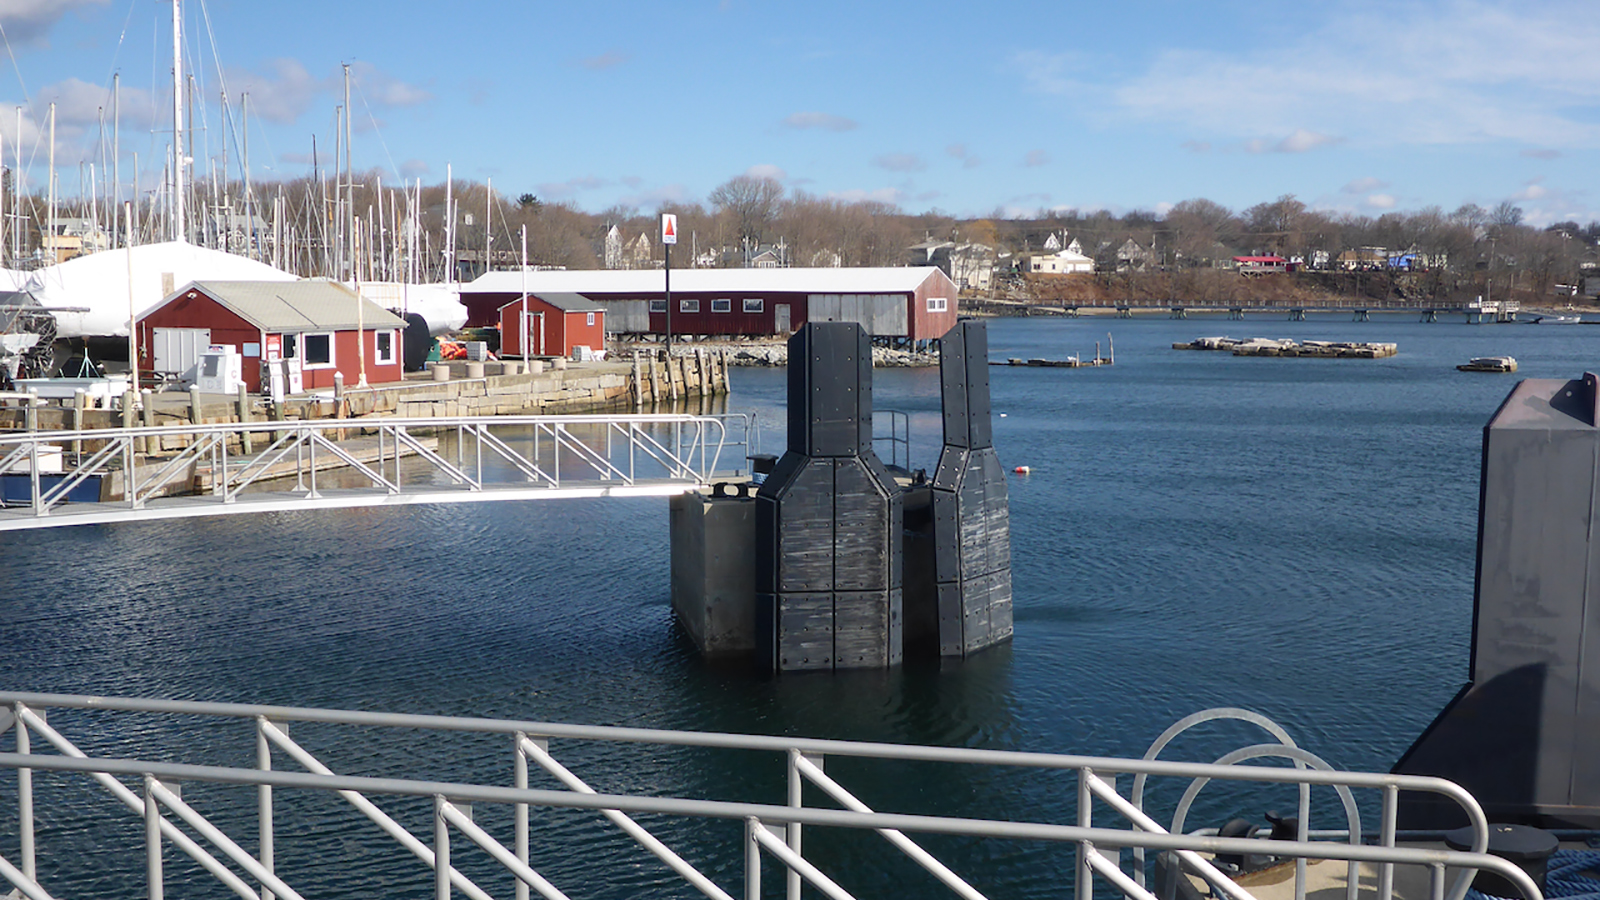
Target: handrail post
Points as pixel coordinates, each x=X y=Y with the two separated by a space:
x=264 y=799
x=796 y=801
x=752 y=860
x=1082 y=889
x=1391 y=799
x=520 y=779
x=152 y=838
x=441 y=850
x=1436 y=881
x=25 y=796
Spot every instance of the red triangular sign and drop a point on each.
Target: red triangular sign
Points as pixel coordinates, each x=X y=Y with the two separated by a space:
x=672 y=228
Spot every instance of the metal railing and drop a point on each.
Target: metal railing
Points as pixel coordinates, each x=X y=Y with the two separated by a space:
x=258 y=466
x=897 y=437
x=770 y=829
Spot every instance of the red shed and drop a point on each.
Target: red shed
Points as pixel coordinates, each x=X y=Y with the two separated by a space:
x=322 y=325
x=913 y=305
x=554 y=324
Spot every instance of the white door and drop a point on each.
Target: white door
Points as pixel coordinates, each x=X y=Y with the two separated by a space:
x=177 y=350
x=780 y=318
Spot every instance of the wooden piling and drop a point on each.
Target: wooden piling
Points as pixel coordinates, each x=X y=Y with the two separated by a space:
x=245 y=443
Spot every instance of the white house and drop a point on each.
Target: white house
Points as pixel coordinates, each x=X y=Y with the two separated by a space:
x=1064 y=262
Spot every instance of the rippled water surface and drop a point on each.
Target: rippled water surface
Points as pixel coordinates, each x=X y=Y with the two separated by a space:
x=1291 y=536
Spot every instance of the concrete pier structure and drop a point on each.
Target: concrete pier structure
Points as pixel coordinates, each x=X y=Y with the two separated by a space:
x=828 y=519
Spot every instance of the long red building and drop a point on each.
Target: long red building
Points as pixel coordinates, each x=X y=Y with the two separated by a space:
x=909 y=305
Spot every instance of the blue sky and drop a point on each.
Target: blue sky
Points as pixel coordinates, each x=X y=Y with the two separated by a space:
x=1363 y=107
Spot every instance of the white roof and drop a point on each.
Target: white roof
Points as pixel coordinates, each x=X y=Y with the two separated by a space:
x=649 y=281
x=90 y=295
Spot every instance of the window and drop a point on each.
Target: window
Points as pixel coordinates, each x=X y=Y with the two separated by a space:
x=938 y=304
x=753 y=304
x=318 y=349
x=659 y=306
x=383 y=342
x=721 y=306
x=590 y=321
x=291 y=346
x=688 y=306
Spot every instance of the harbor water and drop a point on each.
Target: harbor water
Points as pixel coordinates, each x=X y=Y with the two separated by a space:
x=1292 y=536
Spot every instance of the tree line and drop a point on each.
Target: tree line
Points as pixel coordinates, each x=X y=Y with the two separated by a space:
x=409 y=228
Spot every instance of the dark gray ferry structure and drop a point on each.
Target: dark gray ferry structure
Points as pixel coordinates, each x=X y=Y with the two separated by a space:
x=1522 y=734
x=839 y=561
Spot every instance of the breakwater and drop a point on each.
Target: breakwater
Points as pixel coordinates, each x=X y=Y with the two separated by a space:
x=1285 y=347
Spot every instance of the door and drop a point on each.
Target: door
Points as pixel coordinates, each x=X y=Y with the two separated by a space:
x=177 y=350
x=780 y=318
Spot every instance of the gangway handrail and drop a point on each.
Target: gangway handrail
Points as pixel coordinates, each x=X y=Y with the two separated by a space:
x=23 y=709
x=629 y=454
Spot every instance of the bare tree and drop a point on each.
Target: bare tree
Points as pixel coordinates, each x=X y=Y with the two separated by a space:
x=752 y=202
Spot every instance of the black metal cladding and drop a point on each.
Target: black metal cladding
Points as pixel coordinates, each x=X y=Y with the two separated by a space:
x=828 y=518
x=971 y=520
x=1521 y=733
x=830 y=391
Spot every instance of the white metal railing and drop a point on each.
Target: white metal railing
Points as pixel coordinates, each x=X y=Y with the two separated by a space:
x=770 y=830
x=258 y=466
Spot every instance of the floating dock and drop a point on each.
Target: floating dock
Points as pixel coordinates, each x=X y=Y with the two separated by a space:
x=1307 y=349
x=1071 y=362
x=1490 y=364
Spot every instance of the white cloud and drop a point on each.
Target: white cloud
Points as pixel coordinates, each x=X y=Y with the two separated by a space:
x=414 y=168
x=822 y=120
x=1197 y=146
x=1451 y=71
x=900 y=162
x=382 y=89
x=856 y=195
x=1362 y=185
x=562 y=190
x=960 y=151
x=767 y=170
x=1381 y=201
x=27 y=20
x=280 y=92
x=1163 y=208
x=651 y=199
x=1298 y=141
x=1532 y=191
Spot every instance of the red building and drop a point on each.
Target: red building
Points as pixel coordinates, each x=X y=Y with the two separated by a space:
x=1260 y=265
x=320 y=325
x=909 y=305
x=553 y=324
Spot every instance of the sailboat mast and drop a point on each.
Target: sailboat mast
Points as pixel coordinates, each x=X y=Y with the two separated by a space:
x=249 y=198
x=116 y=154
x=52 y=180
x=349 y=177
x=449 y=227
x=178 y=229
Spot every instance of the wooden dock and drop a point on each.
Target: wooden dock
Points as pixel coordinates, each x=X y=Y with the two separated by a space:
x=1071 y=362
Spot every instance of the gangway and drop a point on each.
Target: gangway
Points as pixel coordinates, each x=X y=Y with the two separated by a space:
x=144 y=473
x=70 y=748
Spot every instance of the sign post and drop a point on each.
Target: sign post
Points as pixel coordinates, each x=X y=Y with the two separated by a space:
x=669 y=236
